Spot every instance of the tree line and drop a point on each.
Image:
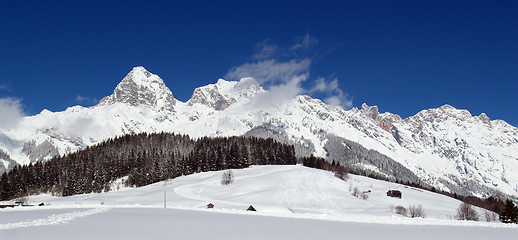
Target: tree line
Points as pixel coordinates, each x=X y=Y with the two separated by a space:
x=143 y=159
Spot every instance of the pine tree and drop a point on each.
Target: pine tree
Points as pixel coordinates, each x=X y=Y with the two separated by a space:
x=4 y=187
x=510 y=213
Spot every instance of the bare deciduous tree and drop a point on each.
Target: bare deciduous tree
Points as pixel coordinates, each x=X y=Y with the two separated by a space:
x=490 y=216
x=227 y=177
x=415 y=211
x=356 y=192
x=401 y=210
x=466 y=212
x=341 y=172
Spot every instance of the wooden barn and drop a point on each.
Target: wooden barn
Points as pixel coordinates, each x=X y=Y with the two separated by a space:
x=394 y=193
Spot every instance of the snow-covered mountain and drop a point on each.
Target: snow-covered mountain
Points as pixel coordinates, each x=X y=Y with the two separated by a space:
x=445 y=147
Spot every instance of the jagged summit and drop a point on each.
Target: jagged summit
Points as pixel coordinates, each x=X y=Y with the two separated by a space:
x=372 y=111
x=444 y=113
x=142 y=88
x=433 y=114
x=221 y=95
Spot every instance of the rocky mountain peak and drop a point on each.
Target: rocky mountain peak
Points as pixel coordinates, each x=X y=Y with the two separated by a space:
x=446 y=107
x=221 y=95
x=142 y=88
x=385 y=120
x=371 y=112
x=485 y=119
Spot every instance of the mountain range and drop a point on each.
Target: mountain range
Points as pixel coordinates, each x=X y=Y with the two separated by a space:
x=446 y=148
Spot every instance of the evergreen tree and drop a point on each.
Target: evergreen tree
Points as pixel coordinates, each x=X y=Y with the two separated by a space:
x=510 y=213
x=5 y=191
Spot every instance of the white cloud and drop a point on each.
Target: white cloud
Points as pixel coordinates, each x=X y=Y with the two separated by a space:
x=281 y=79
x=278 y=94
x=320 y=85
x=77 y=126
x=11 y=112
x=86 y=100
x=340 y=99
x=284 y=78
x=334 y=94
x=271 y=72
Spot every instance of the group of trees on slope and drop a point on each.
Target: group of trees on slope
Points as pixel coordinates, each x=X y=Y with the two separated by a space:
x=144 y=159
x=149 y=158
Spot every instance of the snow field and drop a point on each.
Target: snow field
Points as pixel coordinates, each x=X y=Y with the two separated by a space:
x=54 y=218
x=155 y=223
x=292 y=202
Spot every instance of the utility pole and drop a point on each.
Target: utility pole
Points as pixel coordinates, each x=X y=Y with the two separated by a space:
x=165 y=193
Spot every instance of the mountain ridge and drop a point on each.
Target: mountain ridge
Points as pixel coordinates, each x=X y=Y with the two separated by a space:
x=446 y=147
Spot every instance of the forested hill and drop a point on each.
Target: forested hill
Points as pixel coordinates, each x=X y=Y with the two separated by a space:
x=144 y=159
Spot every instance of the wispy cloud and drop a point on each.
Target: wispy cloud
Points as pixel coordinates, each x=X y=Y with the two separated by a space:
x=278 y=94
x=282 y=79
x=5 y=86
x=334 y=94
x=12 y=112
x=304 y=43
x=285 y=70
x=265 y=50
x=86 y=100
x=271 y=71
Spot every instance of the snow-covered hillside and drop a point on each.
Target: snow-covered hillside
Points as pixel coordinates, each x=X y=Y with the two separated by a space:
x=274 y=189
x=290 y=201
x=445 y=147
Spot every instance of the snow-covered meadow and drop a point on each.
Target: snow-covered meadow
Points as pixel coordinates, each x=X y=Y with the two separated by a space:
x=292 y=202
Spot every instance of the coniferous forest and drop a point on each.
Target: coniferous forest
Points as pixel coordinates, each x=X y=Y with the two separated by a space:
x=144 y=159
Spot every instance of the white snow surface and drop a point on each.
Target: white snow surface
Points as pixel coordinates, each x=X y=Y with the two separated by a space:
x=292 y=202
x=443 y=144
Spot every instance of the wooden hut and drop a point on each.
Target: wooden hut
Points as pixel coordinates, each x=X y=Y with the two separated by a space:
x=210 y=205
x=394 y=193
x=251 y=208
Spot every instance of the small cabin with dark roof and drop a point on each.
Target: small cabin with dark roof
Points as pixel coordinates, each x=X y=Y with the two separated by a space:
x=210 y=205
x=8 y=205
x=251 y=208
x=394 y=193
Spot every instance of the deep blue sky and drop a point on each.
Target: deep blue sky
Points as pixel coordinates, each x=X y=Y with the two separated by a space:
x=403 y=56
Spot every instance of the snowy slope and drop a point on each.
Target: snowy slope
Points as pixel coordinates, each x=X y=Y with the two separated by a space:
x=276 y=190
x=446 y=147
x=291 y=202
